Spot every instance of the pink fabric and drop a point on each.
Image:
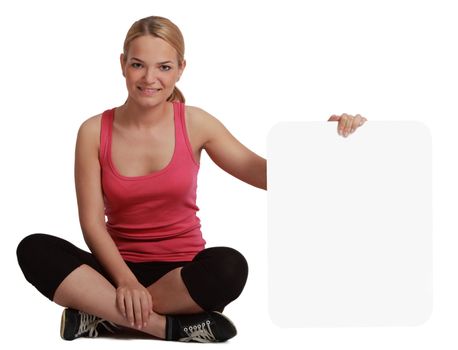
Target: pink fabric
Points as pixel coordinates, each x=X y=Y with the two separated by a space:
x=153 y=217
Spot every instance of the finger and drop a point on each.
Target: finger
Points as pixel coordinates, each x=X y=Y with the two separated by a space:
x=357 y=122
x=150 y=303
x=348 y=125
x=333 y=118
x=145 y=308
x=129 y=308
x=342 y=124
x=138 y=311
x=150 y=298
x=120 y=302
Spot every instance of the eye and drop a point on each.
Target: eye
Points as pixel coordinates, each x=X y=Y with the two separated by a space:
x=136 y=65
x=165 y=68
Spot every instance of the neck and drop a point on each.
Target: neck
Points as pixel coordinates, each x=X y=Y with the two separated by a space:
x=132 y=114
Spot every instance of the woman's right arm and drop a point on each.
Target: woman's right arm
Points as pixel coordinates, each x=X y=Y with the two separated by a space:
x=133 y=300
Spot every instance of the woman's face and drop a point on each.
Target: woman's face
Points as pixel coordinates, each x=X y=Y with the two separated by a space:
x=151 y=69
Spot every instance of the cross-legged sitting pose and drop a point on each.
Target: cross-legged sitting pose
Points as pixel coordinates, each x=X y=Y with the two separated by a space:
x=136 y=169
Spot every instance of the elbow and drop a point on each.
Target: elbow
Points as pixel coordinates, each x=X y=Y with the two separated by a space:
x=91 y=227
x=264 y=177
x=262 y=184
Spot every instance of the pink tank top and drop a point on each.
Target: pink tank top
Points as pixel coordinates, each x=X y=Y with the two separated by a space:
x=153 y=217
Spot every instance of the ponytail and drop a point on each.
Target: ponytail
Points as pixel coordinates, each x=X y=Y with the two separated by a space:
x=176 y=95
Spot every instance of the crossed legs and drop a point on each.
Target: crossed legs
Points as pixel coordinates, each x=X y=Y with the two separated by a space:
x=214 y=278
x=87 y=290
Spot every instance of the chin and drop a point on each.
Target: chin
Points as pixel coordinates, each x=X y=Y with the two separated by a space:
x=148 y=102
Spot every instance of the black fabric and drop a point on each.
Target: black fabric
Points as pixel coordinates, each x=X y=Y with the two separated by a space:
x=215 y=277
x=46 y=260
x=210 y=326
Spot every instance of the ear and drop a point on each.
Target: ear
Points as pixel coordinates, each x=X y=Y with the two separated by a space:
x=121 y=59
x=181 y=69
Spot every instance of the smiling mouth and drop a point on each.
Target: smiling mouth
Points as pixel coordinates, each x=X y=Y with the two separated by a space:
x=148 y=91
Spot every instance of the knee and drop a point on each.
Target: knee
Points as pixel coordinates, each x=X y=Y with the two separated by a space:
x=216 y=277
x=233 y=267
x=28 y=250
x=26 y=246
x=230 y=269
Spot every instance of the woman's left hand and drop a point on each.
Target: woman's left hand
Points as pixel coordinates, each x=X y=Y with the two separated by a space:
x=347 y=123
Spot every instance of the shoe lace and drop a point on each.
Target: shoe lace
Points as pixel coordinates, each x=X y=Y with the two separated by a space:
x=201 y=333
x=89 y=323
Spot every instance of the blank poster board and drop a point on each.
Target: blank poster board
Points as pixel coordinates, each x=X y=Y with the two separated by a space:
x=349 y=225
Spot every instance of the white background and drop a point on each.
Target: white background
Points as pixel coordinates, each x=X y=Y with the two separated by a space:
x=251 y=64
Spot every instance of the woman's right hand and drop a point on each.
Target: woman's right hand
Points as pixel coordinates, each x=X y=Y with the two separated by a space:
x=135 y=303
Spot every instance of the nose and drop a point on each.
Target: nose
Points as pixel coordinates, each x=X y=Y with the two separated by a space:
x=150 y=75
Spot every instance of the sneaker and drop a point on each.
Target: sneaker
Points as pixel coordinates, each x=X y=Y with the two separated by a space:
x=75 y=324
x=207 y=327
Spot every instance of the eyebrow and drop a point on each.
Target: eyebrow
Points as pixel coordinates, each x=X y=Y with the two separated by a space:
x=164 y=62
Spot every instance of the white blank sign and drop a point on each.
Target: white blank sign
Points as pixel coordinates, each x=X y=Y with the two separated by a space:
x=349 y=225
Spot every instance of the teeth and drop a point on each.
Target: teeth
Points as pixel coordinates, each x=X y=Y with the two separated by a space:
x=149 y=91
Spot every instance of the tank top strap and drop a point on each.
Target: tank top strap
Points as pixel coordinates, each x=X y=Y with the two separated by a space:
x=105 y=135
x=181 y=134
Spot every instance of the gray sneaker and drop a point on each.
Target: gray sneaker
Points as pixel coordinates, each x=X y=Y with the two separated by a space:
x=75 y=324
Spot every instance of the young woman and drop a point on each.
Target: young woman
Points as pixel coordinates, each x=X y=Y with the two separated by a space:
x=137 y=164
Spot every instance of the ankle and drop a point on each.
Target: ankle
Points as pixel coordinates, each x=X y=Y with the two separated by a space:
x=157 y=325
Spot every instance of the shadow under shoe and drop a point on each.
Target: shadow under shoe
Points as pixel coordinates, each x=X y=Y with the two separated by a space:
x=207 y=327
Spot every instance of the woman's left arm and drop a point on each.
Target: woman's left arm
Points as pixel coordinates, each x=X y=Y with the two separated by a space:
x=231 y=155
x=236 y=159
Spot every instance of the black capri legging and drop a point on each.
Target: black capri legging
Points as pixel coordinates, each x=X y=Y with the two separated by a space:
x=215 y=277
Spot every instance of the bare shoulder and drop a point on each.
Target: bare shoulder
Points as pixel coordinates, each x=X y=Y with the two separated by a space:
x=89 y=131
x=202 y=124
x=91 y=124
x=196 y=115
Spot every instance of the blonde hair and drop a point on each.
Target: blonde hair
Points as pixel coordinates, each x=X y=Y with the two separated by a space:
x=164 y=29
